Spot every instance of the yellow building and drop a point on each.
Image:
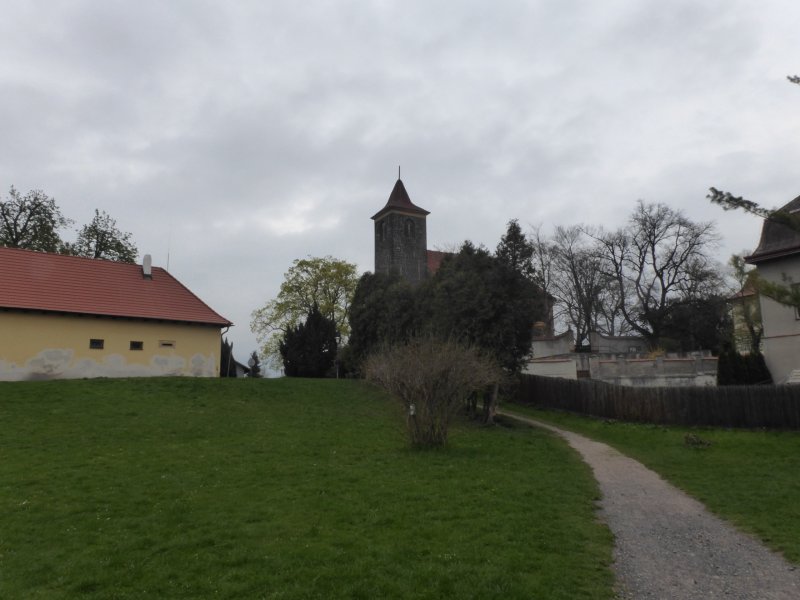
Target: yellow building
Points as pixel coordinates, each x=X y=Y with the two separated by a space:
x=71 y=317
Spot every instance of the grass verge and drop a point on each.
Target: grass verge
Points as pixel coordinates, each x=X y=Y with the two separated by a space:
x=280 y=489
x=748 y=477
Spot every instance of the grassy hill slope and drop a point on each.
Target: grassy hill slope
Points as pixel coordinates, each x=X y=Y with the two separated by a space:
x=280 y=489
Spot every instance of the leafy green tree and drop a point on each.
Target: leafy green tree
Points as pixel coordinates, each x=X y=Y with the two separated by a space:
x=326 y=282
x=31 y=221
x=309 y=348
x=101 y=239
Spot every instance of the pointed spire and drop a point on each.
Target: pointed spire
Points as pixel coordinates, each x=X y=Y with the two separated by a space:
x=399 y=201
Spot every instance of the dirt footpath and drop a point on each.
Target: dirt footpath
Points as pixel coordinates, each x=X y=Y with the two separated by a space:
x=667 y=544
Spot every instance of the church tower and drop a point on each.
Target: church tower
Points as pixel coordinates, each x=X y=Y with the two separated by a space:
x=401 y=244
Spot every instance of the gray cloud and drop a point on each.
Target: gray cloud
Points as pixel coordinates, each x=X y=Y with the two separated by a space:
x=238 y=137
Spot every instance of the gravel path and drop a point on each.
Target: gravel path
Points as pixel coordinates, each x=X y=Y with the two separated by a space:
x=667 y=544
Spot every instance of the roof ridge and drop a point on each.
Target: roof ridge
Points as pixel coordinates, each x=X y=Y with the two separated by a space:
x=51 y=282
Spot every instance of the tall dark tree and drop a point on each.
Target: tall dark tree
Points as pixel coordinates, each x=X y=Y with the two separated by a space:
x=480 y=300
x=309 y=348
x=31 y=221
x=516 y=250
x=227 y=364
x=698 y=324
x=102 y=239
x=255 y=365
x=383 y=312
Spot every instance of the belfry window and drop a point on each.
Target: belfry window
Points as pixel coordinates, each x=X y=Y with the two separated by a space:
x=409 y=228
x=382 y=231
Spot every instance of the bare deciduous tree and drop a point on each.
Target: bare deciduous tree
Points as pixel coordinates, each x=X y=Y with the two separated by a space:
x=432 y=379
x=579 y=281
x=657 y=262
x=569 y=268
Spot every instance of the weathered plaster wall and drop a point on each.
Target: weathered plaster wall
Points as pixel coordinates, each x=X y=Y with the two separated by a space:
x=781 y=340
x=44 y=346
x=656 y=372
x=544 y=346
x=401 y=246
x=552 y=367
x=626 y=344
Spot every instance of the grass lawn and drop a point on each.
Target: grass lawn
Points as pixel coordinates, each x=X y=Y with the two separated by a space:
x=191 y=488
x=749 y=477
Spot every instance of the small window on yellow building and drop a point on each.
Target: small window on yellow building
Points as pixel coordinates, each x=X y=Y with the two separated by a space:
x=137 y=345
x=96 y=344
x=166 y=343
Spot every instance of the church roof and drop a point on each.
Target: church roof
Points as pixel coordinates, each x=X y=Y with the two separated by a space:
x=778 y=240
x=435 y=258
x=399 y=201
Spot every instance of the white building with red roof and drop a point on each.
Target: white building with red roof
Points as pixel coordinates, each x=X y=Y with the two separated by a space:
x=72 y=317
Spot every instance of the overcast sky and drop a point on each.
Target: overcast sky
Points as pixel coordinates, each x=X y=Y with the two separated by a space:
x=238 y=136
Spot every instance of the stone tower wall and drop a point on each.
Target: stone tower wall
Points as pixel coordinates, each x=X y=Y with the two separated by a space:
x=401 y=246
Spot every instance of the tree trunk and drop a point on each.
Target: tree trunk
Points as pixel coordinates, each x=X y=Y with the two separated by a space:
x=490 y=404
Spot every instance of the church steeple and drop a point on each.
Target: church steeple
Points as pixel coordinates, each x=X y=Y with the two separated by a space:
x=399 y=200
x=400 y=237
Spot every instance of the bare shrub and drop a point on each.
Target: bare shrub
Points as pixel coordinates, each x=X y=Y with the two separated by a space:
x=433 y=379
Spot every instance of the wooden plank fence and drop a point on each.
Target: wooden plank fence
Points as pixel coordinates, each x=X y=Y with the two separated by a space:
x=724 y=406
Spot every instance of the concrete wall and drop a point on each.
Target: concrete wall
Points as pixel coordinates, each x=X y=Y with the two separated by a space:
x=401 y=246
x=781 y=341
x=552 y=367
x=545 y=346
x=670 y=371
x=656 y=372
x=45 y=346
x=623 y=344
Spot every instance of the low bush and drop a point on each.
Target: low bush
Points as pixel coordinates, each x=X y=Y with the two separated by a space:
x=433 y=379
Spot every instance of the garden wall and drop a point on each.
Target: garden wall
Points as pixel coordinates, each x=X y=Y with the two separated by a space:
x=724 y=406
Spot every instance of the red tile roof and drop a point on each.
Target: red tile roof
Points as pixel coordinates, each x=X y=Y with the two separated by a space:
x=435 y=258
x=70 y=284
x=399 y=201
